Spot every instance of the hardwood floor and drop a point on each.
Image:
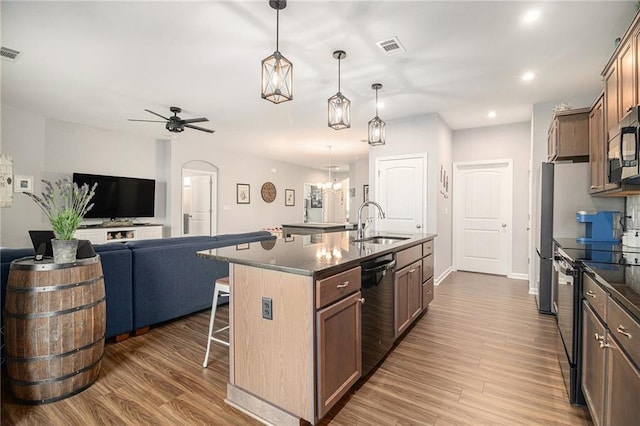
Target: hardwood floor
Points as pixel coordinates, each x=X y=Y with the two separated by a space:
x=482 y=355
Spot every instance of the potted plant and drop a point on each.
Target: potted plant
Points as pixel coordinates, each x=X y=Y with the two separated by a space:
x=65 y=204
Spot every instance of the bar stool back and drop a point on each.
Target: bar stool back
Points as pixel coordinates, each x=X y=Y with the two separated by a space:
x=221 y=289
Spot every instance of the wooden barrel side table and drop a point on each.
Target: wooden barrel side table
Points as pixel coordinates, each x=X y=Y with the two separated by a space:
x=55 y=326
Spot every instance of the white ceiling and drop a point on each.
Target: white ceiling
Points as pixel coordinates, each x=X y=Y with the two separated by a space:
x=100 y=63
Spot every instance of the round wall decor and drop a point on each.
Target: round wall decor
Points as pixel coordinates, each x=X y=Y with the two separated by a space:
x=268 y=192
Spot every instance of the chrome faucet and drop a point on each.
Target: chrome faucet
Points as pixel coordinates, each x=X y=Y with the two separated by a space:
x=381 y=215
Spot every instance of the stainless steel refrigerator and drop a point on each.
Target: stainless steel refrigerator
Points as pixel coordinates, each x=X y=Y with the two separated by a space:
x=562 y=191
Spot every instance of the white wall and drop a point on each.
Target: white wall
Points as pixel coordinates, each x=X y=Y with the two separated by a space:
x=23 y=137
x=511 y=141
x=51 y=149
x=423 y=134
x=444 y=242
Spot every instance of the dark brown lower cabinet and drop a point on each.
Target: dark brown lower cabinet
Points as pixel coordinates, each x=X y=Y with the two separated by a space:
x=407 y=296
x=622 y=398
x=593 y=361
x=339 y=342
x=610 y=380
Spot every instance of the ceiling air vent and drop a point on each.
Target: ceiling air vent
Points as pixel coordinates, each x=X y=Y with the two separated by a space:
x=391 y=46
x=9 y=54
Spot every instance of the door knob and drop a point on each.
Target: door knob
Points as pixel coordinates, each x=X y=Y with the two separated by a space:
x=504 y=225
x=418 y=226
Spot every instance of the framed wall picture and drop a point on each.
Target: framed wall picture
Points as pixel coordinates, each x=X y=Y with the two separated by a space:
x=289 y=197
x=365 y=193
x=242 y=193
x=22 y=183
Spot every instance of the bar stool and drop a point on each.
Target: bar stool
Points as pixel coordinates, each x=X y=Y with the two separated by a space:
x=221 y=289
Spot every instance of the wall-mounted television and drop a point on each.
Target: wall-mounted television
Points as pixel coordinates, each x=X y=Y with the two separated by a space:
x=119 y=197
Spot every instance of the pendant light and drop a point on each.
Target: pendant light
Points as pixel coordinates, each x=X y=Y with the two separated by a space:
x=339 y=105
x=330 y=185
x=376 y=126
x=277 y=71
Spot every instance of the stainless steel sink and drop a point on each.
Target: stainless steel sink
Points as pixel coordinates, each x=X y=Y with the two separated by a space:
x=381 y=239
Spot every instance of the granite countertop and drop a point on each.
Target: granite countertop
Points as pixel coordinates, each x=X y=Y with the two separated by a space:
x=311 y=255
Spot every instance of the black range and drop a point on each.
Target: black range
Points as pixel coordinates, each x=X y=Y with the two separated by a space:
x=616 y=268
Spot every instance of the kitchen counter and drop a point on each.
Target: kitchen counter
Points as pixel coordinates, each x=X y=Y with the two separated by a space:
x=311 y=255
x=297 y=317
x=314 y=228
x=622 y=281
x=614 y=266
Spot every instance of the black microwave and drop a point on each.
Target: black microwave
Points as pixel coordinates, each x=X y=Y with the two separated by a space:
x=622 y=149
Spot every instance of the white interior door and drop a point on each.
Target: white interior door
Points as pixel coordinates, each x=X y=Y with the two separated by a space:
x=400 y=190
x=201 y=207
x=482 y=200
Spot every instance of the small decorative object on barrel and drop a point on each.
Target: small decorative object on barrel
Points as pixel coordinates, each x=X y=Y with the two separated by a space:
x=65 y=204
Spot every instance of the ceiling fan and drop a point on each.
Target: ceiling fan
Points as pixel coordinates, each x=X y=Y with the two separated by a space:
x=176 y=124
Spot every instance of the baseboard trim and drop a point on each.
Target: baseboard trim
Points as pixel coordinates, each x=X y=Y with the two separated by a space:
x=533 y=291
x=518 y=276
x=442 y=276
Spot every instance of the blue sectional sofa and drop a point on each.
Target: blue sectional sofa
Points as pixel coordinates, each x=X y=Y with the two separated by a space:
x=151 y=281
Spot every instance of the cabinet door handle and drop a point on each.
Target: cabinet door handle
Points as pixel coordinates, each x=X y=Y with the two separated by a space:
x=361 y=300
x=343 y=285
x=591 y=294
x=598 y=337
x=604 y=345
x=411 y=271
x=623 y=331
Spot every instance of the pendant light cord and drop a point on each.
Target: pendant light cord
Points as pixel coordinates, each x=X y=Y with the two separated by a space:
x=338 y=74
x=277 y=30
x=376 y=102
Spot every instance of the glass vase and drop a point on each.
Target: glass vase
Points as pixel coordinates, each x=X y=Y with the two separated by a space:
x=64 y=251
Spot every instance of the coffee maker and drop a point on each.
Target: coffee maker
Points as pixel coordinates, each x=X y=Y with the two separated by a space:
x=601 y=226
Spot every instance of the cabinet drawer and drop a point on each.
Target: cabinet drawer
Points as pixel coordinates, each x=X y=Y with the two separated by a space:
x=625 y=329
x=427 y=293
x=427 y=267
x=427 y=248
x=596 y=296
x=337 y=286
x=408 y=256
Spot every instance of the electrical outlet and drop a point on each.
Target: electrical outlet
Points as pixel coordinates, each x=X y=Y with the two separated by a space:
x=267 y=311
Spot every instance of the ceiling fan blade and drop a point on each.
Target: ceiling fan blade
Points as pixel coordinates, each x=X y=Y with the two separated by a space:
x=194 y=120
x=155 y=113
x=148 y=121
x=199 y=128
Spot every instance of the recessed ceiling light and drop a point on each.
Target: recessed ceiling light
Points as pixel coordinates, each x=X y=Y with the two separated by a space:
x=528 y=76
x=530 y=16
x=492 y=114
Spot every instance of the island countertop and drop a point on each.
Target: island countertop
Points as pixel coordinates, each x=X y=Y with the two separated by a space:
x=312 y=255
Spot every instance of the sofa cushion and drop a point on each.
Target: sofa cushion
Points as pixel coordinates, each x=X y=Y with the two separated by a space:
x=156 y=242
x=170 y=281
x=117 y=270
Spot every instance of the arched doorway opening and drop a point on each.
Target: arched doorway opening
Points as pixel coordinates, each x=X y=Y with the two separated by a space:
x=199 y=198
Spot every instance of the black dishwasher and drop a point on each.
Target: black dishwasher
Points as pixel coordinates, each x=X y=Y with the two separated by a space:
x=377 y=310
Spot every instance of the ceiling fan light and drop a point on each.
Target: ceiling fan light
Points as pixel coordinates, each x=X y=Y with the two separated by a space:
x=277 y=78
x=339 y=112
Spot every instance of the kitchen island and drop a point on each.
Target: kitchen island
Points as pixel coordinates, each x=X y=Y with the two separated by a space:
x=295 y=317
